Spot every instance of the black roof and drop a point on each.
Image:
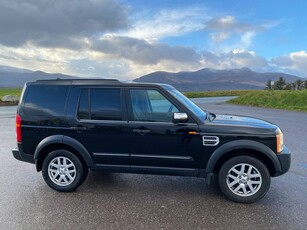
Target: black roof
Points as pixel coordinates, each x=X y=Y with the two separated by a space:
x=87 y=81
x=80 y=81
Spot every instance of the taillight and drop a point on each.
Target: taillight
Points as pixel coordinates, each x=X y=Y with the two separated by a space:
x=18 y=128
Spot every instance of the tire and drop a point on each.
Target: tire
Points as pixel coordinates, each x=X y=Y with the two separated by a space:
x=63 y=171
x=244 y=179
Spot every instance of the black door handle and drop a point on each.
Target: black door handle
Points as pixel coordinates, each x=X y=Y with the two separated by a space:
x=141 y=131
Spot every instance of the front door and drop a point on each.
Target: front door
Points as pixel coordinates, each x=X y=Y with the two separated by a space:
x=156 y=143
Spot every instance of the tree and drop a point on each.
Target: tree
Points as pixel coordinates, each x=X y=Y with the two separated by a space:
x=269 y=85
x=305 y=84
x=299 y=84
x=289 y=86
x=280 y=84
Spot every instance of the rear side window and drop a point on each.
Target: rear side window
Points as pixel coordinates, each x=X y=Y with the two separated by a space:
x=100 y=104
x=45 y=100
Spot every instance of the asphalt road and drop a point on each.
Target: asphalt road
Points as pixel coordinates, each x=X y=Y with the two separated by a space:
x=126 y=201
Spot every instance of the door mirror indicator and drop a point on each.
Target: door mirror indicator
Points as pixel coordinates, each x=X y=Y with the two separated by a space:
x=180 y=117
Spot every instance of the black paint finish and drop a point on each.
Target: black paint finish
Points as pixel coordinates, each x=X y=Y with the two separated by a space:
x=123 y=144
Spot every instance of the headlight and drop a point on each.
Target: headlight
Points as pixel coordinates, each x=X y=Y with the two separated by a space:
x=279 y=140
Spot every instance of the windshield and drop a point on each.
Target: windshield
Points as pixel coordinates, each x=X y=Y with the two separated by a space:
x=187 y=102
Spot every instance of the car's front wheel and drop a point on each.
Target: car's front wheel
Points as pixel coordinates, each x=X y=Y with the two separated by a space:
x=244 y=179
x=63 y=171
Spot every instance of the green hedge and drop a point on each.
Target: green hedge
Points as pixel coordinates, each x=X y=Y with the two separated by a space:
x=278 y=99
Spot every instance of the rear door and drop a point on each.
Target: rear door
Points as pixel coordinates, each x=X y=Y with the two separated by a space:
x=100 y=125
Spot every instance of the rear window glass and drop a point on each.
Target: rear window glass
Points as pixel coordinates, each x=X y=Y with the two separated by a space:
x=45 y=100
x=104 y=104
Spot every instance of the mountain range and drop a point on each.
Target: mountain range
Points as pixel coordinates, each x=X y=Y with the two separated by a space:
x=15 y=78
x=210 y=79
x=201 y=80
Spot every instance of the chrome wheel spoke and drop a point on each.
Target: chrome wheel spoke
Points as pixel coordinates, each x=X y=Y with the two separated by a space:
x=54 y=170
x=242 y=168
x=233 y=183
x=237 y=188
x=70 y=165
x=249 y=171
x=54 y=165
x=244 y=190
x=251 y=188
x=60 y=179
x=71 y=171
x=70 y=177
x=255 y=175
x=235 y=171
x=232 y=176
x=255 y=182
x=55 y=175
x=65 y=179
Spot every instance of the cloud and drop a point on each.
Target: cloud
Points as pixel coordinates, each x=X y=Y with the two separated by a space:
x=234 y=59
x=58 y=23
x=230 y=24
x=219 y=37
x=141 y=51
x=293 y=63
x=53 y=60
x=87 y=67
x=227 y=33
x=101 y=38
x=168 y=22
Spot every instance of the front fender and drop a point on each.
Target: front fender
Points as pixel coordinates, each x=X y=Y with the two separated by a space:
x=61 y=139
x=242 y=144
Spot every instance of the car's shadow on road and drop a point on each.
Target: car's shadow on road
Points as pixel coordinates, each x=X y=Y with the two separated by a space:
x=150 y=185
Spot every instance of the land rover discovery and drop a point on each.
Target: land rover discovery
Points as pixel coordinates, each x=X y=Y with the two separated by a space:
x=66 y=127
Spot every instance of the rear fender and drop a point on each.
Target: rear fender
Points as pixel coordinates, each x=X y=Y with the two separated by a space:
x=61 y=139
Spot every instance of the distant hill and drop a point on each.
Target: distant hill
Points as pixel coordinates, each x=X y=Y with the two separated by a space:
x=202 y=80
x=15 y=78
x=210 y=79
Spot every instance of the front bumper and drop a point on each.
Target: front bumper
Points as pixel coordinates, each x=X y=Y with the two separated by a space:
x=285 y=161
x=19 y=154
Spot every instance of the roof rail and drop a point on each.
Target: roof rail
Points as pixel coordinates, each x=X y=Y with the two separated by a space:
x=78 y=79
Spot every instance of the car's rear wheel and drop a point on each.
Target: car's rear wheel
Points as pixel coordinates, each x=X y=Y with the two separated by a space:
x=63 y=171
x=244 y=179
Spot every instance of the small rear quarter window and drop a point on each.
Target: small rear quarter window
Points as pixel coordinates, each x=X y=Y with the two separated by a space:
x=45 y=100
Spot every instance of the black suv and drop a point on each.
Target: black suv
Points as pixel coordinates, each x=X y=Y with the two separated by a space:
x=65 y=127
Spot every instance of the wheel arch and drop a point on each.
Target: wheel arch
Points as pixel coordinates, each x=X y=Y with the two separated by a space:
x=61 y=142
x=243 y=147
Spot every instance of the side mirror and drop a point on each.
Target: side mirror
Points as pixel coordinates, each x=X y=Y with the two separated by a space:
x=180 y=117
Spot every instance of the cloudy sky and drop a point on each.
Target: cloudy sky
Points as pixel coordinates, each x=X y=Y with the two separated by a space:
x=127 y=39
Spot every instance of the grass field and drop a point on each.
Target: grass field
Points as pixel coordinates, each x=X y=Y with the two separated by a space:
x=278 y=99
x=9 y=91
x=217 y=93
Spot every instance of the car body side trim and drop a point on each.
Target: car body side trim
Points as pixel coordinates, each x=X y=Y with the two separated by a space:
x=164 y=170
x=111 y=154
x=187 y=158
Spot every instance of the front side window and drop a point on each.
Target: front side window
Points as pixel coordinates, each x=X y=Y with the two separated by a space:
x=100 y=104
x=202 y=115
x=151 y=105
